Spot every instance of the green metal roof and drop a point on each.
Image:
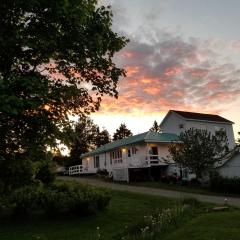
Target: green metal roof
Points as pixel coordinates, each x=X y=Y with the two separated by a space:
x=143 y=137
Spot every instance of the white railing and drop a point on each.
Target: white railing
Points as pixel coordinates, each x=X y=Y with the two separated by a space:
x=77 y=169
x=154 y=160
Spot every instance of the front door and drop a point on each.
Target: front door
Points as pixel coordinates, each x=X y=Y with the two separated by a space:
x=154 y=151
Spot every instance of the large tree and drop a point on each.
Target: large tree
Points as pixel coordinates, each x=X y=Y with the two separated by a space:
x=83 y=138
x=155 y=127
x=122 y=132
x=198 y=150
x=102 y=138
x=55 y=61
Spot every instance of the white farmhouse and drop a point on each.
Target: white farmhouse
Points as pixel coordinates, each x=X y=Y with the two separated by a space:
x=146 y=155
x=179 y=121
x=123 y=158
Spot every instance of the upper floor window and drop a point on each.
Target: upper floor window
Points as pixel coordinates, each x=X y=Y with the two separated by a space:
x=219 y=130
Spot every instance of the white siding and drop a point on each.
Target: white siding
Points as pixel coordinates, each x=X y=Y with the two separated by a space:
x=212 y=127
x=232 y=168
x=174 y=122
x=136 y=160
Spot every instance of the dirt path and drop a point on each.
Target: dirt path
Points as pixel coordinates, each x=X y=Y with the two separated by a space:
x=155 y=191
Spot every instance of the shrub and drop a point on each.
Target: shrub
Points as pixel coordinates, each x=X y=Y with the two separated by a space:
x=6 y=209
x=55 y=199
x=27 y=199
x=77 y=198
x=225 y=185
x=15 y=173
x=45 y=172
x=102 y=172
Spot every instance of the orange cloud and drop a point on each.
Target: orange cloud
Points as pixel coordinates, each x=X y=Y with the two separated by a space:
x=132 y=70
x=172 y=74
x=177 y=93
x=173 y=71
x=152 y=90
x=127 y=54
x=212 y=85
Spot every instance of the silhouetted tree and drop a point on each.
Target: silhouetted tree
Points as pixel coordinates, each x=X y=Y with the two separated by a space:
x=198 y=150
x=102 y=138
x=83 y=138
x=155 y=127
x=49 y=50
x=122 y=132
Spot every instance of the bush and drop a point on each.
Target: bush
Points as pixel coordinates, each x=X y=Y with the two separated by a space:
x=27 y=199
x=55 y=199
x=45 y=173
x=6 y=209
x=76 y=198
x=15 y=173
x=102 y=172
x=225 y=185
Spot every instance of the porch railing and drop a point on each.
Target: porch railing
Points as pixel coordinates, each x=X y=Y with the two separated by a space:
x=153 y=160
x=77 y=169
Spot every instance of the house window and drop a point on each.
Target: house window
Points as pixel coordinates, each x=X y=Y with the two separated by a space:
x=116 y=156
x=154 y=151
x=111 y=157
x=134 y=150
x=129 y=152
x=96 y=162
x=219 y=129
x=185 y=174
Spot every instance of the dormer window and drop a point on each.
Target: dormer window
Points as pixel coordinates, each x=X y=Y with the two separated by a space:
x=219 y=129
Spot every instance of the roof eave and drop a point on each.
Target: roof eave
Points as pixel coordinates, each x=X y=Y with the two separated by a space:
x=199 y=120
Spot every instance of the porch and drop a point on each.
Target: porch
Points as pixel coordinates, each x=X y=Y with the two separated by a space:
x=80 y=169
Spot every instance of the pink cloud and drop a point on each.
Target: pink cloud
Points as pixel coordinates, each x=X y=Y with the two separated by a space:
x=173 y=74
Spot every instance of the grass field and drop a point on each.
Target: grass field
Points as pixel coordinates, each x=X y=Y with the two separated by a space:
x=125 y=210
x=210 y=226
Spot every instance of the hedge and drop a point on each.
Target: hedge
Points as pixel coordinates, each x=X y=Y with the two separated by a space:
x=225 y=185
x=71 y=198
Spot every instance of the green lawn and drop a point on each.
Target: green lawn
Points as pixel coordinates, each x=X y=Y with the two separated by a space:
x=125 y=209
x=211 y=226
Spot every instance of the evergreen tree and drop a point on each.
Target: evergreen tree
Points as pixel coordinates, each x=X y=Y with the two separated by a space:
x=102 y=138
x=122 y=132
x=155 y=127
x=83 y=139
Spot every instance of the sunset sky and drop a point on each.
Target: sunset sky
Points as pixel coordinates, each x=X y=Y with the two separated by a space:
x=182 y=55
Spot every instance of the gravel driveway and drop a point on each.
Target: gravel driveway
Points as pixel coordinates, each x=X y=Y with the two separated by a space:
x=155 y=191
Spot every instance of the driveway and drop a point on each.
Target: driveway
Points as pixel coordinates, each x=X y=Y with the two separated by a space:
x=155 y=191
